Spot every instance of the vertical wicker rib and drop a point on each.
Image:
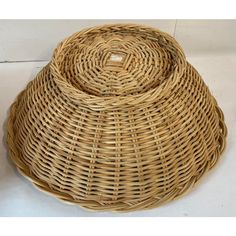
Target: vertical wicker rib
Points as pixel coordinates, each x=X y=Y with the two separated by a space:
x=118 y=120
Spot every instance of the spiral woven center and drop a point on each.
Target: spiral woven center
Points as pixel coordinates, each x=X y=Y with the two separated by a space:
x=118 y=62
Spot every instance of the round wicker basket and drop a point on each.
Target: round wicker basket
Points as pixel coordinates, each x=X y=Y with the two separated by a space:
x=118 y=120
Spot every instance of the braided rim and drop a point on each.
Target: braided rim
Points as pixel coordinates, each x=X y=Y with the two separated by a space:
x=96 y=206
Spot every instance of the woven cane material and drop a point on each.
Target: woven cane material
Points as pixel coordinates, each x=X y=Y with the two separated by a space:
x=118 y=120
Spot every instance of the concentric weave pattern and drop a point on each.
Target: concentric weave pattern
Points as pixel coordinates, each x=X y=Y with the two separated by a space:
x=118 y=120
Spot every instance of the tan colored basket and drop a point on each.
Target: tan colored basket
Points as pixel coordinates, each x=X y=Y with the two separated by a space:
x=118 y=120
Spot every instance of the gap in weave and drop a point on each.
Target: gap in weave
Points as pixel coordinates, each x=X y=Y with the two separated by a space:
x=116 y=57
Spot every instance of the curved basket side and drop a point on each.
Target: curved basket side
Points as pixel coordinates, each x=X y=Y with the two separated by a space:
x=94 y=205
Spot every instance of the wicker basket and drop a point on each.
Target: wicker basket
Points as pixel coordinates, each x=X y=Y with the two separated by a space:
x=118 y=120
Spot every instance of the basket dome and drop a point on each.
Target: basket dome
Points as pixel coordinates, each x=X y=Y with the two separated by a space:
x=118 y=120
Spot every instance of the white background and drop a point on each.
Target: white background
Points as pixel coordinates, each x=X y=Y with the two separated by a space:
x=210 y=45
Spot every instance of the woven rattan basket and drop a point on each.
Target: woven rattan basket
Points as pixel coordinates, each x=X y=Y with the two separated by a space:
x=118 y=120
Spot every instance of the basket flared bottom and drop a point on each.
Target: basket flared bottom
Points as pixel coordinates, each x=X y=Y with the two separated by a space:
x=119 y=206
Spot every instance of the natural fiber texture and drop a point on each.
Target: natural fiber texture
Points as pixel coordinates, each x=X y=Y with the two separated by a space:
x=118 y=120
